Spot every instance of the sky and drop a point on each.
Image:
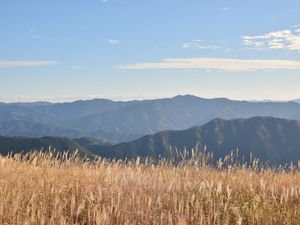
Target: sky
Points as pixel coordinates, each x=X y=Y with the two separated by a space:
x=63 y=50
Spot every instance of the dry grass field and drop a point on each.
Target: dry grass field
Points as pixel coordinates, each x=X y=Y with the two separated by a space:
x=41 y=188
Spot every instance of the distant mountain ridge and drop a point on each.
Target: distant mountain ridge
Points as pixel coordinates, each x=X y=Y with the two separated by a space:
x=267 y=138
x=270 y=139
x=25 y=144
x=119 y=121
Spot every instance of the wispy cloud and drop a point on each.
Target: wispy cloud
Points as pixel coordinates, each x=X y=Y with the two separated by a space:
x=297 y=28
x=102 y=1
x=198 y=44
x=34 y=34
x=283 y=39
x=26 y=98
x=217 y=64
x=76 y=67
x=14 y=64
x=226 y=8
x=113 y=41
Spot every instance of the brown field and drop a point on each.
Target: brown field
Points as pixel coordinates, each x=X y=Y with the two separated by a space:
x=41 y=189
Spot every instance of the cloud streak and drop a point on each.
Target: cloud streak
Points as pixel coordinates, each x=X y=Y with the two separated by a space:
x=15 y=64
x=282 y=39
x=198 y=44
x=113 y=41
x=217 y=64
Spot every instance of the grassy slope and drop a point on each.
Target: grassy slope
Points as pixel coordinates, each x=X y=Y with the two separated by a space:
x=48 y=191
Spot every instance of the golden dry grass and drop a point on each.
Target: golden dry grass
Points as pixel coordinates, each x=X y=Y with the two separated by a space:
x=42 y=189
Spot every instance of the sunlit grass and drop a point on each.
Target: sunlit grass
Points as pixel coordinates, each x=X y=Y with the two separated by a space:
x=43 y=188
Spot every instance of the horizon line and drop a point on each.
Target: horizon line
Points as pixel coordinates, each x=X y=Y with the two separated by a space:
x=70 y=99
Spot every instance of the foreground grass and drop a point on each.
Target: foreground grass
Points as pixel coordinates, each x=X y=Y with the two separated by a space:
x=42 y=189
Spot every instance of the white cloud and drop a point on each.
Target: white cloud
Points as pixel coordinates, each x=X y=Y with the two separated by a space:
x=283 y=39
x=198 y=44
x=113 y=41
x=217 y=64
x=13 y=64
x=226 y=8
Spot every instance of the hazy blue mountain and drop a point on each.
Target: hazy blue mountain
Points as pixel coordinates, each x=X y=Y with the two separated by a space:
x=116 y=121
x=177 y=113
x=34 y=129
x=24 y=144
x=32 y=104
x=81 y=108
x=267 y=138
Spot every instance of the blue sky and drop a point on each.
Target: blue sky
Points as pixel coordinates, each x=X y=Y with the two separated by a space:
x=61 y=50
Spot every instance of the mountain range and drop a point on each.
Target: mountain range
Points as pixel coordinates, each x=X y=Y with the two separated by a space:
x=119 y=121
x=25 y=144
x=269 y=139
x=272 y=140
